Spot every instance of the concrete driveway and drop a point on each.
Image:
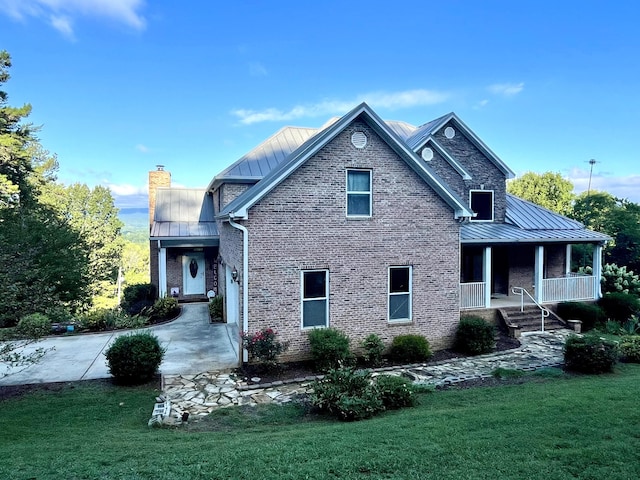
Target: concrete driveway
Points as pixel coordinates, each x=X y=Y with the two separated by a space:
x=193 y=346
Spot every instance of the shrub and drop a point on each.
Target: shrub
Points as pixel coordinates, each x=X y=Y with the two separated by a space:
x=590 y=354
x=216 y=308
x=34 y=325
x=164 y=308
x=263 y=347
x=102 y=319
x=395 y=392
x=474 y=336
x=410 y=349
x=618 y=279
x=373 y=347
x=590 y=314
x=329 y=348
x=619 y=306
x=137 y=297
x=134 y=358
x=630 y=348
x=348 y=394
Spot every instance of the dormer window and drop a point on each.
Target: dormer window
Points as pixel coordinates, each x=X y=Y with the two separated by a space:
x=482 y=204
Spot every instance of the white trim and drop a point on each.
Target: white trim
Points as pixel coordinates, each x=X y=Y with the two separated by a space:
x=538 y=272
x=409 y=293
x=567 y=261
x=487 y=274
x=358 y=192
x=325 y=298
x=597 y=271
x=493 y=204
x=162 y=271
x=245 y=282
x=449 y=159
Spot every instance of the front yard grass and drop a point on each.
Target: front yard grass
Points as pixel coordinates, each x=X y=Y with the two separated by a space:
x=557 y=427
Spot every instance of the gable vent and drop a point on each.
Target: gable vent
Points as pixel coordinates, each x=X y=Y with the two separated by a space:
x=449 y=132
x=359 y=139
x=427 y=154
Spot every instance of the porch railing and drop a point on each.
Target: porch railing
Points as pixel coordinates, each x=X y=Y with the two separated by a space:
x=544 y=313
x=472 y=295
x=572 y=287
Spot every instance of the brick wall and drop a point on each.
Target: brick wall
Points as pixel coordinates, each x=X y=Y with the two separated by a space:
x=521 y=267
x=555 y=259
x=301 y=224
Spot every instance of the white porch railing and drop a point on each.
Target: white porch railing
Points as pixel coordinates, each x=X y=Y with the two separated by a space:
x=572 y=287
x=472 y=295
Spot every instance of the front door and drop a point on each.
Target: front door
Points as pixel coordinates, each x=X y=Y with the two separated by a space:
x=193 y=273
x=500 y=270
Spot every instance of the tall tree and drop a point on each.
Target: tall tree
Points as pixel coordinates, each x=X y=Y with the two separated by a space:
x=549 y=190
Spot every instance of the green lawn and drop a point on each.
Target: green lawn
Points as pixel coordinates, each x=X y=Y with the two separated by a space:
x=585 y=427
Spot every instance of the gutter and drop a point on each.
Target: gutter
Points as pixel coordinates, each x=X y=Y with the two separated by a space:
x=245 y=278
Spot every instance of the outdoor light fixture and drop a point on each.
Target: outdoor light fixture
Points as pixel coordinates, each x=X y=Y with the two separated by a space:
x=234 y=274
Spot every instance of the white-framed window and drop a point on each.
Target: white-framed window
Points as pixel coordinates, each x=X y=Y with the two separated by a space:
x=358 y=193
x=400 y=285
x=481 y=202
x=314 y=293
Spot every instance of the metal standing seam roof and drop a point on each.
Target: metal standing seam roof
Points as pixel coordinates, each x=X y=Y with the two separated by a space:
x=183 y=213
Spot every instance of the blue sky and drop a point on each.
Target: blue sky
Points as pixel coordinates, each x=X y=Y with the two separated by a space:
x=122 y=85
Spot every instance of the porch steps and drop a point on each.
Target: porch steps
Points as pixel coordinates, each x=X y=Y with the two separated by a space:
x=529 y=320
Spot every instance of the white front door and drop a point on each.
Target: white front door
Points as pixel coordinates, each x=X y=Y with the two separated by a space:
x=233 y=298
x=193 y=273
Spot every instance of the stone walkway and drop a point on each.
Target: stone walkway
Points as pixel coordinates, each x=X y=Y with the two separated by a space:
x=202 y=393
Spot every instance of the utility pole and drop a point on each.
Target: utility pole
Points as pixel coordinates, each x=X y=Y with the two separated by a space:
x=592 y=162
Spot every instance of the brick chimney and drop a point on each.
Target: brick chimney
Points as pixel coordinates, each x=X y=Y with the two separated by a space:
x=157 y=178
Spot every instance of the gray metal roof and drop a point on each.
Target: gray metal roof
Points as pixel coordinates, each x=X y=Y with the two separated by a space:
x=529 y=223
x=183 y=213
x=248 y=198
x=423 y=132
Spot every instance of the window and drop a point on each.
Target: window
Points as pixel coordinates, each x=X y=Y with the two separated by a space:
x=315 y=298
x=358 y=193
x=482 y=205
x=400 y=294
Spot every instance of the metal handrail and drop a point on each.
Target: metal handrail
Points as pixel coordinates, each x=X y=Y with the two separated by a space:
x=544 y=312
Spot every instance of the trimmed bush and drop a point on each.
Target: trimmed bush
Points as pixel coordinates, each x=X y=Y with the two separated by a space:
x=474 y=336
x=630 y=348
x=619 y=307
x=348 y=394
x=373 y=347
x=590 y=314
x=102 y=319
x=590 y=354
x=34 y=325
x=165 y=308
x=216 y=308
x=263 y=347
x=138 y=297
x=395 y=392
x=410 y=349
x=134 y=358
x=329 y=348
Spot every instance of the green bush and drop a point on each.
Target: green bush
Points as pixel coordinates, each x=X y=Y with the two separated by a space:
x=590 y=314
x=630 y=348
x=410 y=349
x=618 y=279
x=102 y=319
x=619 y=307
x=395 y=392
x=216 y=306
x=34 y=325
x=329 y=348
x=134 y=358
x=348 y=394
x=474 y=336
x=590 y=354
x=263 y=347
x=138 y=297
x=164 y=308
x=373 y=347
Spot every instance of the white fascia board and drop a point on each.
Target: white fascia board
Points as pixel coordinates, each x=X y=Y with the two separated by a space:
x=449 y=159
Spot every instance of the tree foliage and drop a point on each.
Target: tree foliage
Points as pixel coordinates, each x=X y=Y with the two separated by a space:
x=549 y=190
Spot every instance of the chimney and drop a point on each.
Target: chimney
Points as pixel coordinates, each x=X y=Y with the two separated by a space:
x=157 y=178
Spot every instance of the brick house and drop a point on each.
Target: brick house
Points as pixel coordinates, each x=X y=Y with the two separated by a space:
x=367 y=226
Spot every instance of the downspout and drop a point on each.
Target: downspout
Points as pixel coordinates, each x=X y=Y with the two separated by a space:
x=245 y=278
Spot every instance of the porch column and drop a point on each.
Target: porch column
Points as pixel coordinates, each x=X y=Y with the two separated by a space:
x=486 y=271
x=162 y=272
x=538 y=273
x=597 y=271
x=567 y=264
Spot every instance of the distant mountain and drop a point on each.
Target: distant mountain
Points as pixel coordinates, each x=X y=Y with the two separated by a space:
x=134 y=219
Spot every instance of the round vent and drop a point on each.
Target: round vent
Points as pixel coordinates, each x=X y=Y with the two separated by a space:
x=359 y=139
x=449 y=132
x=427 y=154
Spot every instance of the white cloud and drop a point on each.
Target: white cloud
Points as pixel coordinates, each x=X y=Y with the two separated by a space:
x=389 y=100
x=61 y=14
x=256 y=69
x=506 y=89
x=481 y=104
